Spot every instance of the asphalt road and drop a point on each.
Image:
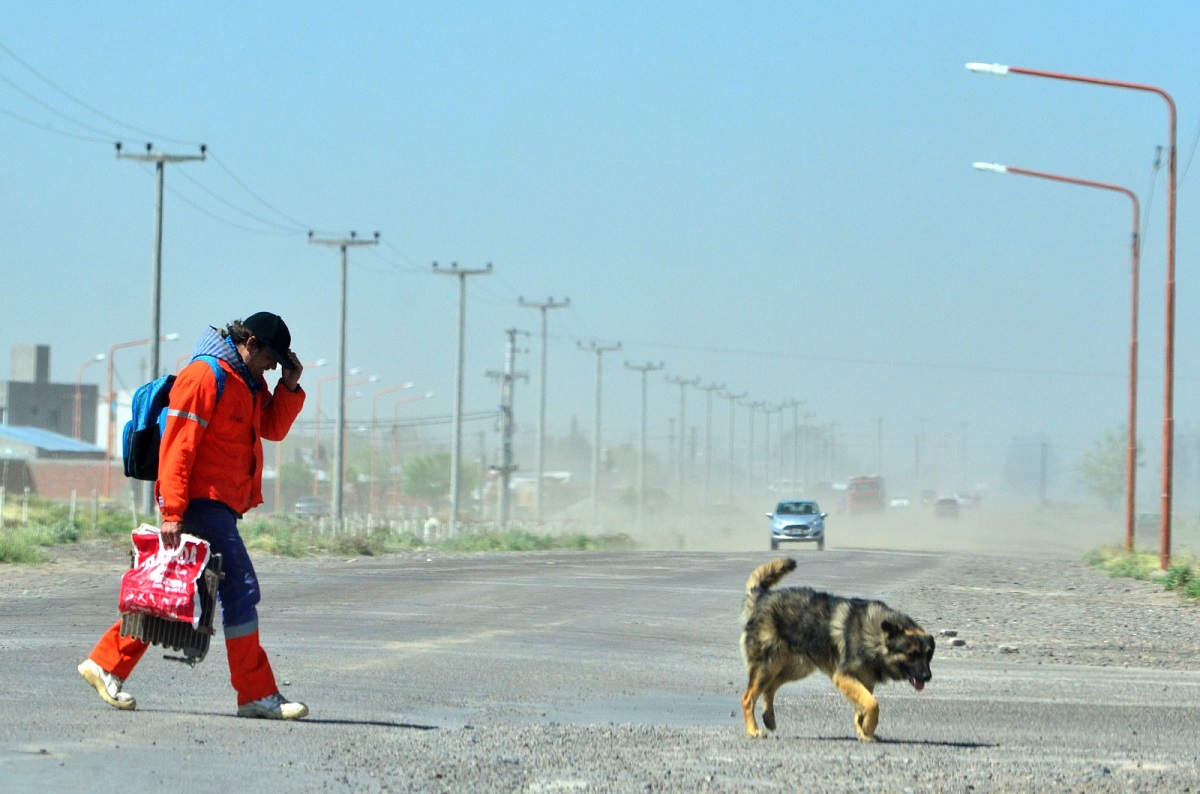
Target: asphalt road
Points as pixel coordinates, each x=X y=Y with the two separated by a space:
x=573 y=672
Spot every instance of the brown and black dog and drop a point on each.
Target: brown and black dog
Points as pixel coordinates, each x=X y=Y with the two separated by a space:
x=858 y=643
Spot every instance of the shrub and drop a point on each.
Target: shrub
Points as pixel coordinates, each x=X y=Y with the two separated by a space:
x=1180 y=577
x=1121 y=564
x=16 y=549
x=357 y=545
x=291 y=537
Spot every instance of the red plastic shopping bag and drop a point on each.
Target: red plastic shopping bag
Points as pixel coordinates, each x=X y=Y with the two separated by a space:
x=163 y=583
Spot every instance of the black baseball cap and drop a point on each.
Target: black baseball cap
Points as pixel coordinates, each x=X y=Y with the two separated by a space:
x=273 y=332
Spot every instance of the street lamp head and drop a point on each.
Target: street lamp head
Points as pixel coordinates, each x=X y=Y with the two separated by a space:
x=989 y=68
x=171 y=337
x=993 y=167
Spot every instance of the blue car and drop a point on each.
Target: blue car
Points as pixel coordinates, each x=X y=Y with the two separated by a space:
x=797 y=521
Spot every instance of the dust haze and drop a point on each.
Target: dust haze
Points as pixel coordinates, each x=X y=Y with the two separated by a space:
x=1053 y=530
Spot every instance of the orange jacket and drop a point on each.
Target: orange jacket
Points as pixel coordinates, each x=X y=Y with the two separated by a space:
x=212 y=449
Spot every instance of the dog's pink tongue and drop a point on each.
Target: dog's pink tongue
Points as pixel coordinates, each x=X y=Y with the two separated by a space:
x=918 y=685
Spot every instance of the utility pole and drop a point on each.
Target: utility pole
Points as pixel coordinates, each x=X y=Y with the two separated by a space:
x=599 y=350
x=683 y=383
x=795 y=473
x=733 y=398
x=919 y=446
x=692 y=451
x=456 y=450
x=805 y=466
x=483 y=468
x=506 y=378
x=645 y=369
x=339 y=436
x=543 y=307
x=670 y=442
x=753 y=406
x=767 y=411
x=710 y=388
x=879 y=448
x=160 y=159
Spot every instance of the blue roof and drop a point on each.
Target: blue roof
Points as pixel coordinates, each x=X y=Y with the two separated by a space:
x=46 y=439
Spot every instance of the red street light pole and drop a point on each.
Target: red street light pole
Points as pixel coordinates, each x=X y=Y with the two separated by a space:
x=341 y=472
x=317 y=424
x=396 y=443
x=112 y=406
x=77 y=423
x=374 y=418
x=1131 y=450
x=320 y=362
x=1164 y=554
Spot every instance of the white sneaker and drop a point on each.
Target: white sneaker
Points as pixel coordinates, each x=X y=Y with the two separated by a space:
x=108 y=685
x=273 y=707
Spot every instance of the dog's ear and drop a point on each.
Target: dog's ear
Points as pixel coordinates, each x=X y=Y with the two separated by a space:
x=891 y=628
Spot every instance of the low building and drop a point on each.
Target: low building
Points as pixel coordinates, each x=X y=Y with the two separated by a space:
x=47 y=430
x=49 y=464
x=29 y=399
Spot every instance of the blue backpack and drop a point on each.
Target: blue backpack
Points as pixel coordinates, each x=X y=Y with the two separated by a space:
x=144 y=432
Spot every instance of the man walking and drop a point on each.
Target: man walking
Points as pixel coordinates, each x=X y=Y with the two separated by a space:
x=210 y=474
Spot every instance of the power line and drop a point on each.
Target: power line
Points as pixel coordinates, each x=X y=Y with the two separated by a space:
x=295 y=223
x=937 y=365
x=408 y=259
x=45 y=127
x=294 y=229
x=294 y=226
x=1154 y=169
x=85 y=105
x=428 y=421
x=220 y=219
x=53 y=109
x=1191 y=154
x=395 y=266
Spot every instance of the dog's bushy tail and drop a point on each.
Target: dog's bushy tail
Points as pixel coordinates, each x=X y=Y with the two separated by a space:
x=762 y=580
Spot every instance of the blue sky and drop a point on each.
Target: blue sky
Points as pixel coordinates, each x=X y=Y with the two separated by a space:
x=773 y=196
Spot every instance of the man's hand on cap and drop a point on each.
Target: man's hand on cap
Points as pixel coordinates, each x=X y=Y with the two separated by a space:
x=292 y=372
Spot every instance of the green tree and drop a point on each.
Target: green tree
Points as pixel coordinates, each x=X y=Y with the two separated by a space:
x=1102 y=467
x=295 y=481
x=428 y=477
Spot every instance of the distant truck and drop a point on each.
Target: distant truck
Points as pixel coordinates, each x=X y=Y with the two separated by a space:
x=865 y=494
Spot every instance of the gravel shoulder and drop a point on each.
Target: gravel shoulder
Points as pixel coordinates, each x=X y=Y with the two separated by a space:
x=1067 y=680
x=1054 y=611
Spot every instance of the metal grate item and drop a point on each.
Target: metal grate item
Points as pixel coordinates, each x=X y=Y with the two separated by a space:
x=180 y=635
